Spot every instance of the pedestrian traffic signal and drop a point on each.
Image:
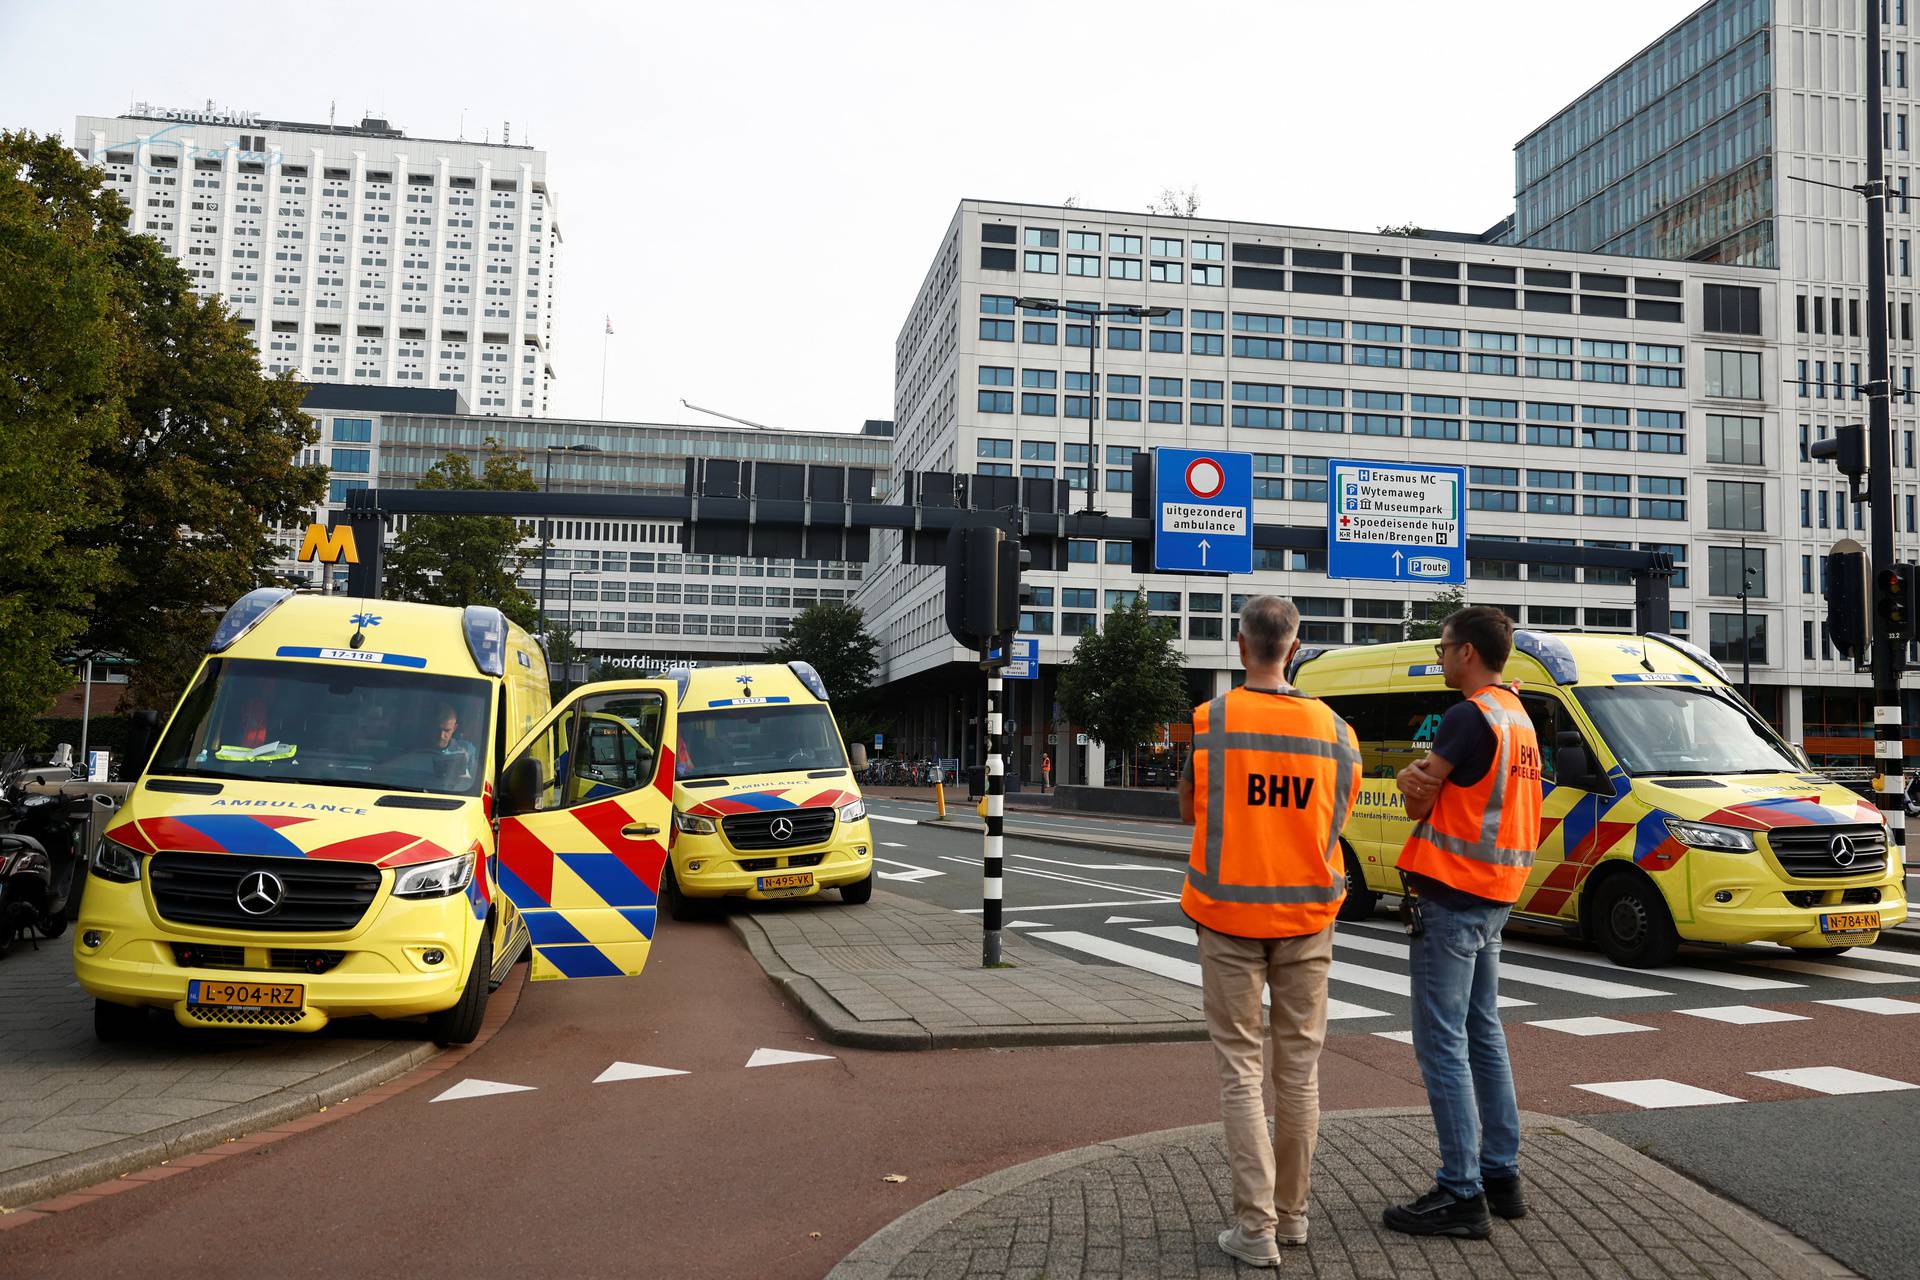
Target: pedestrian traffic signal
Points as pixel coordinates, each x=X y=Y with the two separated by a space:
x=1894 y=614
x=1847 y=449
x=1844 y=583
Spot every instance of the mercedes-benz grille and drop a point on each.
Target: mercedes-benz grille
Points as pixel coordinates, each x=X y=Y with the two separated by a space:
x=781 y=829
x=315 y=896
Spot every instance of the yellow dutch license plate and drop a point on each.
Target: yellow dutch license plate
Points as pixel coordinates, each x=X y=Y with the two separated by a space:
x=246 y=995
x=796 y=880
x=1850 y=922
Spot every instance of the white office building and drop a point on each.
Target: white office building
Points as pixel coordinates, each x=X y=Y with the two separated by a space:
x=355 y=253
x=1601 y=400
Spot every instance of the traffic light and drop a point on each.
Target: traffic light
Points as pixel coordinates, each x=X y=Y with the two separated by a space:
x=1844 y=583
x=1894 y=612
x=983 y=585
x=1847 y=450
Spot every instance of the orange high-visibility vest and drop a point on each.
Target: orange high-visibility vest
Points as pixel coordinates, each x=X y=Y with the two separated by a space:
x=1480 y=838
x=1274 y=778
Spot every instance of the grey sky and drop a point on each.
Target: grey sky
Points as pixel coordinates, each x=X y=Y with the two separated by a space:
x=754 y=191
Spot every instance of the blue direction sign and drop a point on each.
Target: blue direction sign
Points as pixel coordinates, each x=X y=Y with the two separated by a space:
x=1023 y=663
x=1203 y=511
x=1395 y=522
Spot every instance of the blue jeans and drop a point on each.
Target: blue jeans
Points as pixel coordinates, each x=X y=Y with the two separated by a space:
x=1461 y=1046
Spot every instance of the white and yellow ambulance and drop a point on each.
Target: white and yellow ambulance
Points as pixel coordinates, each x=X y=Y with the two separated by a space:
x=371 y=808
x=765 y=799
x=1672 y=812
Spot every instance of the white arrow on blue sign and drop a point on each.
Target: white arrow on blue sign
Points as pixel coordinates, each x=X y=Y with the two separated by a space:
x=1396 y=522
x=1203 y=511
x=1023 y=663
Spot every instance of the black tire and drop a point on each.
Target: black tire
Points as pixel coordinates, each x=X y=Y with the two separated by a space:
x=1632 y=924
x=679 y=906
x=860 y=891
x=17 y=920
x=1361 y=902
x=461 y=1023
x=119 y=1023
x=52 y=926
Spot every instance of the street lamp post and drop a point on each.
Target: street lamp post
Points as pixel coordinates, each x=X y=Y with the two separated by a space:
x=1746 y=634
x=546 y=524
x=572 y=626
x=1092 y=315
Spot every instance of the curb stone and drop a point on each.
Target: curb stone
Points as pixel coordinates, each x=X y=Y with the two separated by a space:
x=876 y=1257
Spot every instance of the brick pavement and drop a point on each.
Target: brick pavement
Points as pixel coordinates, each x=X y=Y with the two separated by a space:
x=73 y=1110
x=903 y=974
x=1151 y=1206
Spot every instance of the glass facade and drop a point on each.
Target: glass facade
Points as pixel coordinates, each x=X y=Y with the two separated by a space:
x=1669 y=157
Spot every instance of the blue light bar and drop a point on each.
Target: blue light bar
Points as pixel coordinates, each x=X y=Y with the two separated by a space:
x=810 y=678
x=246 y=611
x=1692 y=651
x=1550 y=652
x=486 y=629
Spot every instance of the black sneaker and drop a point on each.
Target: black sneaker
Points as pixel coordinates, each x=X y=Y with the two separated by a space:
x=1441 y=1213
x=1504 y=1198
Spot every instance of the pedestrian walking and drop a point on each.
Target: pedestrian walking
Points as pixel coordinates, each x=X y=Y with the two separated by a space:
x=1046 y=771
x=1270 y=782
x=1475 y=801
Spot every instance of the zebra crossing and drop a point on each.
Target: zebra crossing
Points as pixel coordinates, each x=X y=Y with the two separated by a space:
x=1560 y=987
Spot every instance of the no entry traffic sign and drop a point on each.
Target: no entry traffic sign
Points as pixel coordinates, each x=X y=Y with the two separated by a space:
x=1203 y=511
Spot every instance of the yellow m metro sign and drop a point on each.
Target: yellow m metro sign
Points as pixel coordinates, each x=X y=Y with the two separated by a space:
x=329 y=545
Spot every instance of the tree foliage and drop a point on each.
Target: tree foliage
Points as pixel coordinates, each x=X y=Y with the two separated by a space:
x=1434 y=611
x=833 y=638
x=1412 y=229
x=145 y=459
x=1125 y=679
x=1176 y=202
x=463 y=560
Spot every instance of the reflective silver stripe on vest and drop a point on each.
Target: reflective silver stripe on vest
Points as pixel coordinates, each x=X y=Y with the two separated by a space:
x=1487 y=848
x=1217 y=741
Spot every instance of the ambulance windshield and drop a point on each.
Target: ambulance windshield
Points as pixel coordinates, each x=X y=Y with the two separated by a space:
x=757 y=739
x=333 y=724
x=1683 y=729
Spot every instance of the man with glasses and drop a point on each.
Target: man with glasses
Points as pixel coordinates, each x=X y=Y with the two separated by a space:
x=1475 y=801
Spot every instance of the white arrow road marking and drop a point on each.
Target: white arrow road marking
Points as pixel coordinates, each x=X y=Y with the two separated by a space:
x=480 y=1089
x=1170 y=966
x=1125 y=920
x=911 y=874
x=780 y=1057
x=892 y=844
x=633 y=1071
x=1025 y=924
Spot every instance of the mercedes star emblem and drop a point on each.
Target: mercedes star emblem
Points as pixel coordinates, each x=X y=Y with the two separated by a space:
x=259 y=893
x=1841 y=847
x=783 y=830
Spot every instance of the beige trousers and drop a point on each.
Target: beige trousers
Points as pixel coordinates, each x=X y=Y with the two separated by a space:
x=1271 y=1172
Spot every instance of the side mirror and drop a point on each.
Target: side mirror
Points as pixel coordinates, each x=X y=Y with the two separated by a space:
x=1572 y=766
x=520 y=786
x=857 y=755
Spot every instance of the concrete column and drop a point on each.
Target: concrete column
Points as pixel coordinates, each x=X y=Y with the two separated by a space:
x=1793 y=715
x=1096 y=765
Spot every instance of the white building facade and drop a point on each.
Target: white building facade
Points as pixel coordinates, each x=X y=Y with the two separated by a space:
x=354 y=253
x=1600 y=400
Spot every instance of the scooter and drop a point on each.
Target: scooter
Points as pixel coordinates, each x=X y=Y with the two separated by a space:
x=42 y=854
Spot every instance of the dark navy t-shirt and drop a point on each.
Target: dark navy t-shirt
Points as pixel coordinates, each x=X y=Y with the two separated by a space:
x=1466 y=741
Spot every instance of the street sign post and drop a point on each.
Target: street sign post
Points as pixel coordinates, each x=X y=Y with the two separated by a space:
x=1202 y=511
x=1394 y=522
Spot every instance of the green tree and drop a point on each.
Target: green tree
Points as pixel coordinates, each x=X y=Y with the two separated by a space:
x=833 y=638
x=463 y=560
x=1125 y=678
x=179 y=450
x=1434 y=611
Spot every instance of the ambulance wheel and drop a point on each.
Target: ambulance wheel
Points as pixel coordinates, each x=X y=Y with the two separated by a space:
x=858 y=892
x=1632 y=924
x=118 y=1023
x=461 y=1023
x=679 y=906
x=1360 y=901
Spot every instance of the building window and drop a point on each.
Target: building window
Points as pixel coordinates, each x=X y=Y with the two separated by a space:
x=357 y=461
x=996 y=402
x=1734 y=375
x=1731 y=308
x=1734 y=440
x=1736 y=504
x=1726 y=575
x=353 y=430
x=1727 y=643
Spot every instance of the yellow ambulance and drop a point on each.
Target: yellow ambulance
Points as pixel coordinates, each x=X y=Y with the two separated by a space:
x=363 y=807
x=1671 y=812
x=765 y=801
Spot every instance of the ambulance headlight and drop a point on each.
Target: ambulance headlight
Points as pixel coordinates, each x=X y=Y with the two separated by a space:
x=853 y=812
x=694 y=825
x=116 y=862
x=434 y=879
x=1704 y=835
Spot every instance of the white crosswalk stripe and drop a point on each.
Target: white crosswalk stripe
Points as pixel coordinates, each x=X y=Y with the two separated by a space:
x=1656 y=1094
x=1848 y=973
x=1834 y=1081
x=1874 y=1004
x=1746 y=1015
x=1667 y=973
x=1167 y=966
x=1579 y=984
x=1590 y=1026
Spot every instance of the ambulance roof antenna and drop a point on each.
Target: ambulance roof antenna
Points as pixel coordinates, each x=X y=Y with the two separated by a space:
x=1645 y=661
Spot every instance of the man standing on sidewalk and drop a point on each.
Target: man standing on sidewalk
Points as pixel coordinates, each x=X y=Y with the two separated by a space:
x=1475 y=801
x=1269 y=785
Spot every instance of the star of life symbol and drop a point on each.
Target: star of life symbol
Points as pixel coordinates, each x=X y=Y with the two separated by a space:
x=365 y=619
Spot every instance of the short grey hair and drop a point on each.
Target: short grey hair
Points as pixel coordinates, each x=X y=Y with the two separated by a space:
x=1268 y=624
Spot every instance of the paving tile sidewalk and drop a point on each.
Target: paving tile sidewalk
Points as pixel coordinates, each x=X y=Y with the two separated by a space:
x=903 y=974
x=74 y=1111
x=1151 y=1206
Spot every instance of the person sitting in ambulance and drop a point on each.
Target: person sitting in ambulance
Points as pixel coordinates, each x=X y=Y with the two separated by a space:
x=439 y=747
